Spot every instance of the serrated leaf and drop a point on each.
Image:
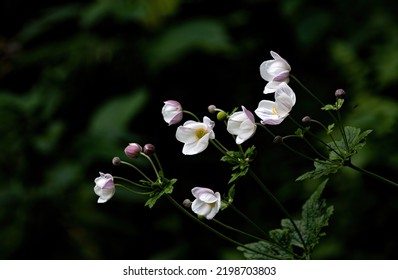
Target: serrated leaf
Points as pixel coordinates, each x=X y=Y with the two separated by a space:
x=166 y=187
x=356 y=140
x=315 y=216
x=322 y=168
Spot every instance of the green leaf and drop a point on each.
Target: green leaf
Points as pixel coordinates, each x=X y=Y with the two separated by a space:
x=322 y=168
x=166 y=187
x=315 y=216
x=240 y=162
x=356 y=140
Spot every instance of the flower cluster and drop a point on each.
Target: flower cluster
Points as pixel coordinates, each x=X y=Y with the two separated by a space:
x=196 y=134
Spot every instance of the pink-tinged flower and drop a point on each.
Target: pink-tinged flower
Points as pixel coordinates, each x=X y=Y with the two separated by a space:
x=133 y=150
x=274 y=71
x=275 y=112
x=242 y=124
x=195 y=135
x=172 y=112
x=207 y=202
x=104 y=187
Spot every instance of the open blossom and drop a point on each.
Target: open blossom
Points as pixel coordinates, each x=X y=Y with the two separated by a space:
x=104 y=187
x=172 y=112
x=242 y=124
x=195 y=135
x=207 y=202
x=275 y=112
x=274 y=71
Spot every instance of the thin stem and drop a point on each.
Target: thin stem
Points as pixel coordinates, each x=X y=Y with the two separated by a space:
x=133 y=191
x=287 y=146
x=374 y=175
x=192 y=114
x=181 y=208
x=137 y=169
x=240 y=213
x=158 y=161
x=153 y=165
x=279 y=204
x=219 y=146
x=341 y=128
x=131 y=182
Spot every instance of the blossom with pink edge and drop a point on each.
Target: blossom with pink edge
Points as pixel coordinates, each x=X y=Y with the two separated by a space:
x=172 y=112
x=104 y=187
x=242 y=124
x=195 y=135
x=274 y=71
x=207 y=202
x=274 y=113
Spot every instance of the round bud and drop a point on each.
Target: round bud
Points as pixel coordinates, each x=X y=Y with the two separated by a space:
x=306 y=120
x=149 y=149
x=116 y=161
x=278 y=139
x=339 y=93
x=133 y=150
x=212 y=109
x=187 y=203
x=221 y=116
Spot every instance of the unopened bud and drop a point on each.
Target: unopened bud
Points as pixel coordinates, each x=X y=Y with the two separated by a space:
x=221 y=116
x=116 y=161
x=306 y=120
x=212 y=109
x=187 y=203
x=133 y=150
x=339 y=93
x=149 y=149
x=278 y=139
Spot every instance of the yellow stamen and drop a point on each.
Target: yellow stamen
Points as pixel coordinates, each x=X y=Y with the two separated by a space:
x=199 y=133
x=274 y=111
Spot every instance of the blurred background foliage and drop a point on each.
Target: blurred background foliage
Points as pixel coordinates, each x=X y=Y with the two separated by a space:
x=79 y=80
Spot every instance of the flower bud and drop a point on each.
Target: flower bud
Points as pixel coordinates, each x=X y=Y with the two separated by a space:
x=187 y=203
x=149 y=149
x=221 y=116
x=306 y=120
x=278 y=139
x=339 y=93
x=133 y=150
x=212 y=109
x=116 y=161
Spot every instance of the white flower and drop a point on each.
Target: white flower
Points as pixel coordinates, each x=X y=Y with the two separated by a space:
x=207 y=202
x=195 y=135
x=104 y=187
x=172 y=112
x=274 y=71
x=275 y=112
x=242 y=124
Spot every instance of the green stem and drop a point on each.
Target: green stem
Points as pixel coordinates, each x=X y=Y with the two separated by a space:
x=240 y=213
x=192 y=114
x=374 y=175
x=131 y=182
x=341 y=128
x=181 y=208
x=137 y=169
x=132 y=191
x=279 y=204
x=153 y=165
x=255 y=237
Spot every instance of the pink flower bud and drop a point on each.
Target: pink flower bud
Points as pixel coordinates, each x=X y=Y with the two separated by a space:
x=133 y=150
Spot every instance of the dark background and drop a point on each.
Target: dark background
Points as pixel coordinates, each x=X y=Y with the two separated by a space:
x=79 y=80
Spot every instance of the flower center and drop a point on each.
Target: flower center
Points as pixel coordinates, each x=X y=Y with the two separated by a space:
x=199 y=133
x=274 y=111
